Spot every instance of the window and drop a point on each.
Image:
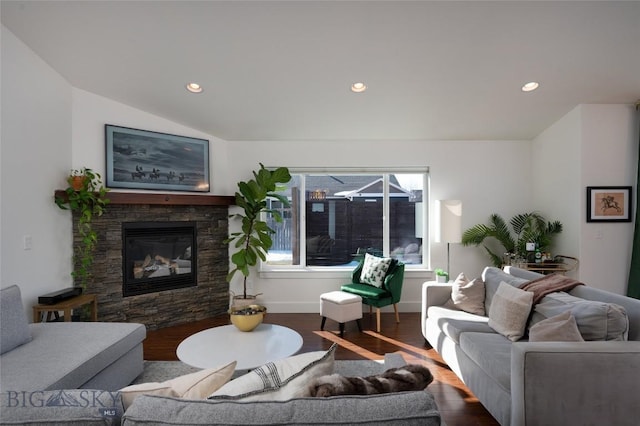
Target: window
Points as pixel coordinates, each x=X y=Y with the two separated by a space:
x=336 y=216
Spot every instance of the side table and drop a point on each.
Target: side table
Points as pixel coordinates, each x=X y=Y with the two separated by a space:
x=66 y=306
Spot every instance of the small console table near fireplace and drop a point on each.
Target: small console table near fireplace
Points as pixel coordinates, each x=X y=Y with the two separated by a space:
x=66 y=306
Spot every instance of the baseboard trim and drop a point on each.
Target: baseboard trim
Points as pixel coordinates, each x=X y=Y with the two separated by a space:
x=310 y=307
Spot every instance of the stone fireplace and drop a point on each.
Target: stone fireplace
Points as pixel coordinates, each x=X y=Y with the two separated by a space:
x=208 y=292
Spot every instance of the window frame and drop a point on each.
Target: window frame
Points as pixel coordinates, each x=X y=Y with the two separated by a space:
x=385 y=172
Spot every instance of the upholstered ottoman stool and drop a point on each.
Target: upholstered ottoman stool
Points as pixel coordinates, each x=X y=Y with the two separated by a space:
x=340 y=306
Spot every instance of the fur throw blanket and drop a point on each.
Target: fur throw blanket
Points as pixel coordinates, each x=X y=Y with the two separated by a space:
x=407 y=378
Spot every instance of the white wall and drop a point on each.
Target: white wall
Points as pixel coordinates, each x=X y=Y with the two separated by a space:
x=488 y=176
x=593 y=145
x=48 y=128
x=609 y=157
x=91 y=112
x=36 y=155
x=555 y=155
x=53 y=127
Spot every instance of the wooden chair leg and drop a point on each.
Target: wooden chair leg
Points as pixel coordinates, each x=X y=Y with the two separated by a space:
x=395 y=308
x=324 y=319
x=378 y=320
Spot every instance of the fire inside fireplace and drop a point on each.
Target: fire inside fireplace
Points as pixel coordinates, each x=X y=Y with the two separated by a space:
x=158 y=256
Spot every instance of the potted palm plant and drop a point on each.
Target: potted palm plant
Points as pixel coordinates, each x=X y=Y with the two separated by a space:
x=85 y=196
x=253 y=241
x=527 y=227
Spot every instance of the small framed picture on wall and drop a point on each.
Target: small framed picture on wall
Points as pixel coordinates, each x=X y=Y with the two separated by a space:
x=609 y=204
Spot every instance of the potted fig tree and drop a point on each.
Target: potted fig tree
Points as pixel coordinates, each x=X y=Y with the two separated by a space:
x=253 y=241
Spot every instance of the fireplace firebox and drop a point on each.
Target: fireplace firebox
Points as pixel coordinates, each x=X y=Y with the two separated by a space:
x=158 y=256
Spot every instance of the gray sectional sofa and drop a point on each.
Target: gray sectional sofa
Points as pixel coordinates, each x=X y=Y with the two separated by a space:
x=70 y=373
x=65 y=355
x=401 y=408
x=96 y=407
x=544 y=382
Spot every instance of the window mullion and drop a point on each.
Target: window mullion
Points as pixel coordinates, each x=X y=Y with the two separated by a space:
x=385 y=215
x=303 y=220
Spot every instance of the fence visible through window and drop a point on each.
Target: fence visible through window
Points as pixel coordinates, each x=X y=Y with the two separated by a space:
x=345 y=217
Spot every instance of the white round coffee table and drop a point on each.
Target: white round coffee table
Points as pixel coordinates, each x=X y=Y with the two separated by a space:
x=221 y=345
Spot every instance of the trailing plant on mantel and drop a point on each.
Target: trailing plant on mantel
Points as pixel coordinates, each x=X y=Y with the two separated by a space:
x=254 y=240
x=88 y=199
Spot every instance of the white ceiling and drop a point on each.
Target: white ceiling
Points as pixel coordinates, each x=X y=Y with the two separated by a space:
x=282 y=70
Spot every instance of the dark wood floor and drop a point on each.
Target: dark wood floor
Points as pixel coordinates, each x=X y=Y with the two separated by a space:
x=456 y=403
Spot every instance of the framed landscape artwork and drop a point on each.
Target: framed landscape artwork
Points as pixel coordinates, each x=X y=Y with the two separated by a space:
x=141 y=159
x=608 y=204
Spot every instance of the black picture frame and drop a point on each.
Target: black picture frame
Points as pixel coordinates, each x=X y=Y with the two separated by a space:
x=609 y=204
x=143 y=159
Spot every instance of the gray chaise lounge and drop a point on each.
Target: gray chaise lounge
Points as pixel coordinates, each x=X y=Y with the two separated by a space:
x=65 y=355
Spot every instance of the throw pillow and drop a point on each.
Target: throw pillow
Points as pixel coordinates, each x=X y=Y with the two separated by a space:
x=279 y=380
x=374 y=270
x=15 y=328
x=492 y=278
x=509 y=311
x=468 y=295
x=596 y=320
x=561 y=328
x=196 y=385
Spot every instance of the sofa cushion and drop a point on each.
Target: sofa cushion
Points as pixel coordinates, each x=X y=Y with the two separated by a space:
x=468 y=295
x=83 y=349
x=510 y=311
x=630 y=305
x=399 y=409
x=196 y=385
x=522 y=273
x=61 y=407
x=561 y=328
x=492 y=353
x=492 y=278
x=15 y=328
x=279 y=380
x=596 y=320
x=374 y=269
x=366 y=290
x=453 y=322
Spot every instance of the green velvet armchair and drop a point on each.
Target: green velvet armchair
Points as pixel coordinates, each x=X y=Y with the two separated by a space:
x=388 y=294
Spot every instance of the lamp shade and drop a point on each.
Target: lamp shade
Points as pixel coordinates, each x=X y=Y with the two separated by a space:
x=449 y=229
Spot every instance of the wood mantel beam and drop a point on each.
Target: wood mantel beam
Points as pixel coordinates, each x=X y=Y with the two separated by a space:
x=167 y=199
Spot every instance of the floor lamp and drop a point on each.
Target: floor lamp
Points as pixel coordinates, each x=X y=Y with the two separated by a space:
x=449 y=225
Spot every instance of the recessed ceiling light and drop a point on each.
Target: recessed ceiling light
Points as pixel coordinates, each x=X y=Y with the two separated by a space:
x=530 y=87
x=194 y=88
x=358 y=87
